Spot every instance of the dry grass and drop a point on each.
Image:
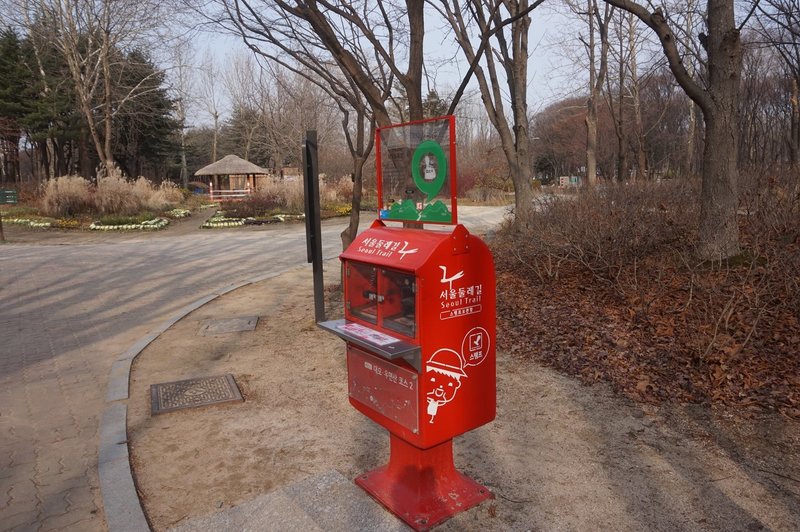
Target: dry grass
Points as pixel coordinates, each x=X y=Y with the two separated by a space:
x=288 y=194
x=113 y=195
x=67 y=196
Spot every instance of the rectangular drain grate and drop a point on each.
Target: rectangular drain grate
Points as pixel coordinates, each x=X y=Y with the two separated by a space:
x=190 y=393
x=228 y=325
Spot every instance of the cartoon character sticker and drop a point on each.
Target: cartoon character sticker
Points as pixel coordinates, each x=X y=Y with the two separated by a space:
x=444 y=371
x=445 y=368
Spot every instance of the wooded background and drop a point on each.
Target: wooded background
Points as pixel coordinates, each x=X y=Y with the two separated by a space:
x=668 y=91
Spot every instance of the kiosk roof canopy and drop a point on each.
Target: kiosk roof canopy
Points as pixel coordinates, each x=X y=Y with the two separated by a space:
x=231 y=165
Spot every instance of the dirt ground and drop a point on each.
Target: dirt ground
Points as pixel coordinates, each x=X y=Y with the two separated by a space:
x=559 y=455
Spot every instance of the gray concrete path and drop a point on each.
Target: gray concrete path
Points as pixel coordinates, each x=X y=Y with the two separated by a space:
x=67 y=312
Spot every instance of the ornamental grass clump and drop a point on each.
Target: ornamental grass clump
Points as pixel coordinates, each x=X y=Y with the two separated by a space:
x=289 y=192
x=336 y=190
x=69 y=195
x=160 y=198
x=114 y=195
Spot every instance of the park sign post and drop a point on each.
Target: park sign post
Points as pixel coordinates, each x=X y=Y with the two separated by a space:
x=419 y=326
x=8 y=196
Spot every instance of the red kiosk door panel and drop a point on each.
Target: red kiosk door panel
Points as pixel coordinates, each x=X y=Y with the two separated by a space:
x=384 y=387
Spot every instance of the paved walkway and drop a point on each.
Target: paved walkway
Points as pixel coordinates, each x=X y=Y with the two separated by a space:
x=66 y=314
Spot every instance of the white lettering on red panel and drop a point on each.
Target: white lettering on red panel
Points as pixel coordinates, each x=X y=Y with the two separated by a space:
x=458 y=301
x=384 y=248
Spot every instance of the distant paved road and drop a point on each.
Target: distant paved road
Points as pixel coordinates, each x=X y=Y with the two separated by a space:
x=68 y=311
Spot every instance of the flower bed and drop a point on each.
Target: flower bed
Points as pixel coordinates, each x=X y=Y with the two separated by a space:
x=148 y=225
x=220 y=220
x=28 y=221
x=179 y=213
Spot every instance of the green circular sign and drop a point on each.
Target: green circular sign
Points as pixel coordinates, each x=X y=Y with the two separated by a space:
x=429 y=187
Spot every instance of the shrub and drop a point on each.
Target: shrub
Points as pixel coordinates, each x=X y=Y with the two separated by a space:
x=290 y=193
x=257 y=204
x=606 y=228
x=165 y=197
x=67 y=196
x=333 y=191
x=114 y=195
x=142 y=189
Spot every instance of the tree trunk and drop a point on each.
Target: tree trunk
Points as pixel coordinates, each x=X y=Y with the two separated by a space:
x=591 y=142
x=591 y=106
x=214 y=138
x=412 y=81
x=184 y=168
x=719 y=232
x=794 y=141
x=107 y=157
x=622 y=137
x=350 y=232
x=641 y=156
x=522 y=177
x=691 y=129
x=596 y=80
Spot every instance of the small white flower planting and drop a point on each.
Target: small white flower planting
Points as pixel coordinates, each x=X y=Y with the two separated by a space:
x=219 y=220
x=148 y=225
x=28 y=222
x=179 y=213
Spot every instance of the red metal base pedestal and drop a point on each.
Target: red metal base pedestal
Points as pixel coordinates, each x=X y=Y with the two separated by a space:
x=422 y=486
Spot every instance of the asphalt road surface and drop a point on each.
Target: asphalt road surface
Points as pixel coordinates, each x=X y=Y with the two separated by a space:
x=66 y=313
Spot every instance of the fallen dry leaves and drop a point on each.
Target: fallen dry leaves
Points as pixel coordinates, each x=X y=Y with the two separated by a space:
x=668 y=333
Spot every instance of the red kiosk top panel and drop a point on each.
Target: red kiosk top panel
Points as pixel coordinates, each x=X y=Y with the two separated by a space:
x=417 y=171
x=398 y=247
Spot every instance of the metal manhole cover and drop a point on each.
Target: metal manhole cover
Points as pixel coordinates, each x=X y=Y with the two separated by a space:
x=169 y=396
x=229 y=325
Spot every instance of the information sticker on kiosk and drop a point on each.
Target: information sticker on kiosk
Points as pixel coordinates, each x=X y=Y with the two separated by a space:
x=419 y=326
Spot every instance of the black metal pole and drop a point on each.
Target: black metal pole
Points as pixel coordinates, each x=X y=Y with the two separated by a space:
x=313 y=229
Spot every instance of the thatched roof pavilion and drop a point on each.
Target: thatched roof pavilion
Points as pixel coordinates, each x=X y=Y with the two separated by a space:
x=232 y=165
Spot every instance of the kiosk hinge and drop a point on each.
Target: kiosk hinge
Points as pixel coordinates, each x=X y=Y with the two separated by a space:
x=460 y=240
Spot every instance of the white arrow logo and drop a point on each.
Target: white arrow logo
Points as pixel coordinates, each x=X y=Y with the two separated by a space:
x=405 y=251
x=446 y=279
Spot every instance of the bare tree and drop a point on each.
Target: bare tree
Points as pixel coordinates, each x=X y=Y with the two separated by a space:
x=241 y=84
x=352 y=51
x=505 y=66
x=598 y=67
x=211 y=97
x=92 y=36
x=779 y=25
x=719 y=233
x=368 y=41
x=182 y=88
x=89 y=34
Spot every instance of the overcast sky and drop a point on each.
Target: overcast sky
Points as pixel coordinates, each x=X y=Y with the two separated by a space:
x=551 y=75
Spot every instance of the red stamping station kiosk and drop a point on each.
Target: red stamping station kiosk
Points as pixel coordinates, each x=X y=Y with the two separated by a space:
x=420 y=326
